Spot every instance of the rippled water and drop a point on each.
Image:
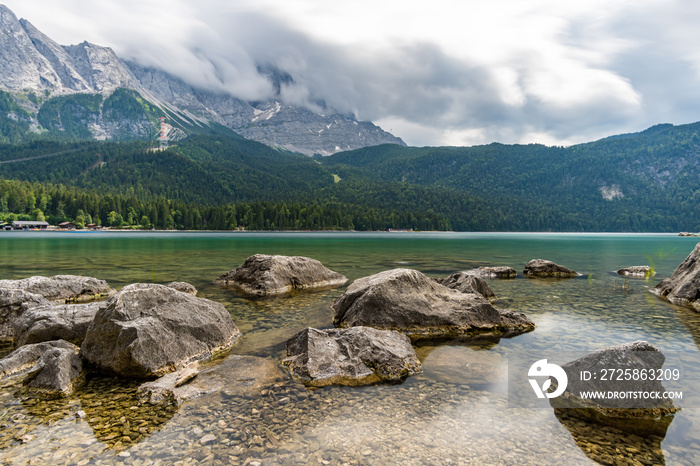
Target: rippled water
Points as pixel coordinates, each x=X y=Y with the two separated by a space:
x=456 y=411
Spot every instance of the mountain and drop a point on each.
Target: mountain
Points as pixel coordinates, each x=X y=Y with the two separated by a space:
x=35 y=70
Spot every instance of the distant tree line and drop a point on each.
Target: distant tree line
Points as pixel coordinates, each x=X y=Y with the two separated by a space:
x=22 y=200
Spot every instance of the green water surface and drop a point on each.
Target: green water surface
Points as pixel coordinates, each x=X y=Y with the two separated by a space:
x=457 y=411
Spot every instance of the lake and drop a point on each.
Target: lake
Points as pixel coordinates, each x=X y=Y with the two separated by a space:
x=456 y=411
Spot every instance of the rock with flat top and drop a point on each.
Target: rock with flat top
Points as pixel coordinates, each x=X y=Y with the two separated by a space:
x=547 y=269
x=148 y=330
x=264 y=275
x=243 y=376
x=62 y=289
x=67 y=322
x=683 y=287
x=637 y=271
x=353 y=356
x=502 y=272
x=408 y=301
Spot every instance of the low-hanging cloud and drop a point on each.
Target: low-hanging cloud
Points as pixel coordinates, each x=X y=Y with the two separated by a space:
x=464 y=73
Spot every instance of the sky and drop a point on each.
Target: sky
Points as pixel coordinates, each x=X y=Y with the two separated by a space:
x=444 y=72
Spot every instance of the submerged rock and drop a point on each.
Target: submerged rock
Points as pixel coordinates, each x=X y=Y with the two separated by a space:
x=545 y=269
x=183 y=286
x=234 y=376
x=637 y=271
x=502 y=272
x=408 y=301
x=13 y=304
x=638 y=414
x=467 y=283
x=683 y=287
x=353 y=356
x=67 y=322
x=62 y=288
x=148 y=330
x=263 y=275
x=50 y=369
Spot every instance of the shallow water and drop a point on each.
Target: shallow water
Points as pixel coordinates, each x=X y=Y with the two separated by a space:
x=456 y=411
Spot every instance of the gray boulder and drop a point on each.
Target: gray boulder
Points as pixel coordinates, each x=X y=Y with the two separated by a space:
x=148 y=330
x=408 y=301
x=49 y=369
x=683 y=287
x=353 y=356
x=263 y=275
x=62 y=288
x=547 y=269
x=637 y=414
x=184 y=287
x=234 y=376
x=67 y=322
x=60 y=373
x=14 y=303
x=493 y=272
x=27 y=356
x=637 y=271
x=467 y=283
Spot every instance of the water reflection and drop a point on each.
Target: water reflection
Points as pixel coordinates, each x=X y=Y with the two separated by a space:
x=607 y=445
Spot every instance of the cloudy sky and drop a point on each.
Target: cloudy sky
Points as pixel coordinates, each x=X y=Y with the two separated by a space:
x=444 y=72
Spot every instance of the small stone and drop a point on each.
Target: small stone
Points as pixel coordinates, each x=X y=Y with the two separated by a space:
x=207 y=439
x=197 y=431
x=80 y=414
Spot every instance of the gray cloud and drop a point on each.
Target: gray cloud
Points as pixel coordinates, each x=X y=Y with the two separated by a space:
x=552 y=72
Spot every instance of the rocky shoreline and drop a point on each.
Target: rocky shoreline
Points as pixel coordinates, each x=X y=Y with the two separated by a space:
x=179 y=343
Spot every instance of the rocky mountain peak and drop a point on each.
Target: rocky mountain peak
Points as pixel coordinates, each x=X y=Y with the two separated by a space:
x=31 y=61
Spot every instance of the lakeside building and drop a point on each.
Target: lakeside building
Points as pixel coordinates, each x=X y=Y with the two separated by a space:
x=29 y=225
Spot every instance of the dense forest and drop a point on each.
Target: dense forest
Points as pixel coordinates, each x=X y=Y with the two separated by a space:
x=647 y=181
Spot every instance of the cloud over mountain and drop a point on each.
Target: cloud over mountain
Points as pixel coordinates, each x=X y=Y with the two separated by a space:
x=448 y=73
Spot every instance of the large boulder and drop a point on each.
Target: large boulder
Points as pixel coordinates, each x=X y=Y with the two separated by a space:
x=637 y=271
x=408 y=301
x=547 y=269
x=611 y=370
x=62 y=288
x=148 y=330
x=493 y=272
x=67 y=322
x=13 y=304
x=683 y=287
x=264 y=275
x=354 y=356
x=468 y=283
x=234 y=376
x=49 y=369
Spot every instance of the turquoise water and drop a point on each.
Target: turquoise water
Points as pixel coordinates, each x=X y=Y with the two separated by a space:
x=456 y=411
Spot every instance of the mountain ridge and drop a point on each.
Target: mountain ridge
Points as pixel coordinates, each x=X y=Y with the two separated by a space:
x=32 y=63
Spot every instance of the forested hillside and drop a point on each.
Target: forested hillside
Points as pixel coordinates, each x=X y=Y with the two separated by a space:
x=648 y=181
